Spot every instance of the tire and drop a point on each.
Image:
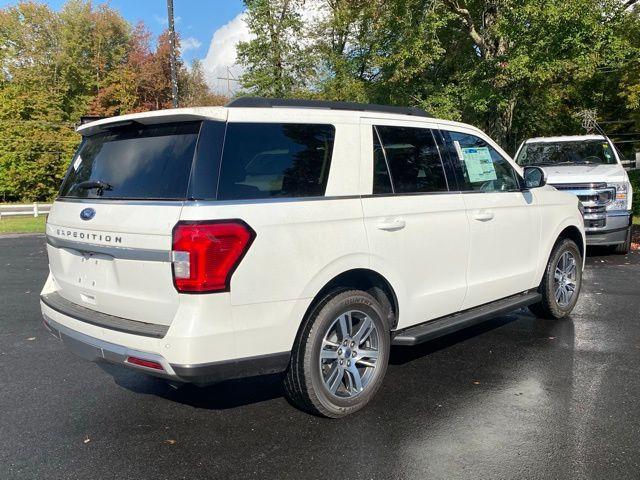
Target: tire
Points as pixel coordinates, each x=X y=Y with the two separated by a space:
x=550 y=306
x=624 y=248
x=309 y=379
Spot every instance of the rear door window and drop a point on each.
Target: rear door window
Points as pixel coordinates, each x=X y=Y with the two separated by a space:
x=266 y=160
x=134 y=162
x=412 y=158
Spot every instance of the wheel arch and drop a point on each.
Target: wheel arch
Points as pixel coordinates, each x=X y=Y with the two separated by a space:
x=573 y=233
x=367 y=280
x=568 y=229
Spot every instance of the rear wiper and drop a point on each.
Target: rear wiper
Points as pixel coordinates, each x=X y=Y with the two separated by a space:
x=97 y=184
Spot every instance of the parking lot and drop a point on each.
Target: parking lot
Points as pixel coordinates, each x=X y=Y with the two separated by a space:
x=516 y=397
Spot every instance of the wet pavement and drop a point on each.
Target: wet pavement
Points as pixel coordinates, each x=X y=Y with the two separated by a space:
x=516 y=397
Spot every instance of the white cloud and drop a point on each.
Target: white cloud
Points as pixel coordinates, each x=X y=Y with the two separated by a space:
x=222 y=53
x=190 y=43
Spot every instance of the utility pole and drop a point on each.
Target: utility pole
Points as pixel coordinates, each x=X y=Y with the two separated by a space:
x=172 y=55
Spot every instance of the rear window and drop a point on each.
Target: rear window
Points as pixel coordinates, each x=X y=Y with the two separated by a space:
x=266 y=160
x=134 y=162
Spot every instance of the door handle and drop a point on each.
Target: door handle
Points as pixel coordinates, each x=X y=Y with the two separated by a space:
x=391 y=225
x=483 y=215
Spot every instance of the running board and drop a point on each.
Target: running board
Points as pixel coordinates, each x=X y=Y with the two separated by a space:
x=445 y=325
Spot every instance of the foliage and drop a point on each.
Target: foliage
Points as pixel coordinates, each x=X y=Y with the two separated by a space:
x=56 y=67
x=634 y=178
x=515 y=68
x=276 y=59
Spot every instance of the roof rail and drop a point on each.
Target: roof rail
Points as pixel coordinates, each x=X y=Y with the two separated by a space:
x=260 y=102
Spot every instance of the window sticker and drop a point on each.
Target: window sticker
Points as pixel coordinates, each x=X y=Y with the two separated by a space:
x=479 y=164
x=76 y=164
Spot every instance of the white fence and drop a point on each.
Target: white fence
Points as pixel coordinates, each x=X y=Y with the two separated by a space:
x=632 y=164
x=29 y=210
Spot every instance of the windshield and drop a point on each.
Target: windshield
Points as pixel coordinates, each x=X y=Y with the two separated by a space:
x=134 y=161
x=579 y=152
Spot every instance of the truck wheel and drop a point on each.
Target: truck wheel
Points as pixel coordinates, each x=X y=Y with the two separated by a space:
x=340 y=356
x=624 y=248
x=561 y=283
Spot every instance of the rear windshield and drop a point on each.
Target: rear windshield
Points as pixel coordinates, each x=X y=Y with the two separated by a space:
x=582 y=152
x=134 y=162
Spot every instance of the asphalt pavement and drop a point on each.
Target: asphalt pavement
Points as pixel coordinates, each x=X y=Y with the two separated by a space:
x=516 y=397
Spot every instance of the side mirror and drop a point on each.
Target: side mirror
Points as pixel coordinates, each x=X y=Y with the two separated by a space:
x=534 y=177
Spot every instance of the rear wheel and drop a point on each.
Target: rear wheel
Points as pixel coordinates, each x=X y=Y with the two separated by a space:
x=561 y=283
x=624 y=248
x=340 y=358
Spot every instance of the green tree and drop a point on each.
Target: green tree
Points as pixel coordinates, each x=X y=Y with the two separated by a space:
x=277 y=63
x=515 y=68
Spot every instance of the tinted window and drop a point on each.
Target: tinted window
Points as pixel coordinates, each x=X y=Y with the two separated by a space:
x=136 y=161
x=479 y=167
x=581 y=152
x=263 y=160
x=381 y=177
x=206 y=165
x=413 y=159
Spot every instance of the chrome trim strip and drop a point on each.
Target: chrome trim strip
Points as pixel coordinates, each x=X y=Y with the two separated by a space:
x=579 y=186
x=589 y=193
x=252 y=201
x=618 y=213
x=141 y=254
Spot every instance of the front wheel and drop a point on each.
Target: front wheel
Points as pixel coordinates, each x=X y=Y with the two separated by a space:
x=341 y=355
x=561 y=283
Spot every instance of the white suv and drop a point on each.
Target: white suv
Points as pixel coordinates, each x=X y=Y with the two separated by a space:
x=302 y=237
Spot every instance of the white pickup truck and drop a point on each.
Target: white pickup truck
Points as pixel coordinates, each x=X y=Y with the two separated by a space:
x=589 y=167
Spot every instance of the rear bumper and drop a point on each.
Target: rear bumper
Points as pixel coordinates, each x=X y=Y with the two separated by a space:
x=614 y=233
x=98 y=350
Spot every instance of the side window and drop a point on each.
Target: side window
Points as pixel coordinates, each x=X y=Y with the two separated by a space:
x=265 y=160
x=381 y=177
x=413 y=159
x=478 y=166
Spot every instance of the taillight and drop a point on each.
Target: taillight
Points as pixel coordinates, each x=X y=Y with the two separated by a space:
x=205 y=254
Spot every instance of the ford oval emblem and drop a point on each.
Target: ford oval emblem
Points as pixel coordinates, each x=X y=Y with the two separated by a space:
x=87 y=214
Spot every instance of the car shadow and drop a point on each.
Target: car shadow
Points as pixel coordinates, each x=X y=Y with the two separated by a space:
x=236 y=393
x=219 y=396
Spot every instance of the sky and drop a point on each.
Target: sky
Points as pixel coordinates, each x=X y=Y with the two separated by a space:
x=209 y=29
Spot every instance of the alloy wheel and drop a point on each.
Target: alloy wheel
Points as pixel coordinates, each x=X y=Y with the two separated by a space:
x=349 y=354
x=565 y=279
